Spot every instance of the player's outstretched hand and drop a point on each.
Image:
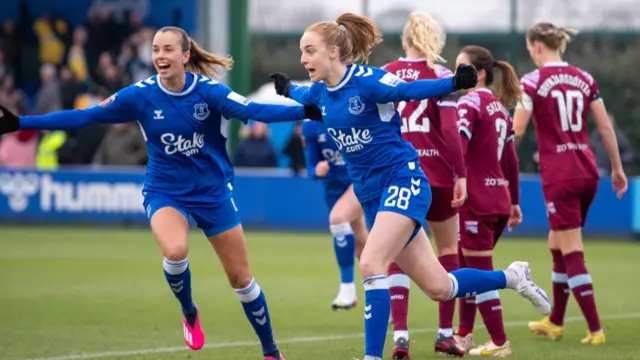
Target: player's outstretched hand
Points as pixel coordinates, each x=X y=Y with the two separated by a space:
x=281 y=82
x=466 y=77
x=9 y=122
x=312 y=112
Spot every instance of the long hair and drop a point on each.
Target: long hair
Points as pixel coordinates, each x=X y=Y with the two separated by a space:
x=200 y=60
x=508 y=89
x=354 y=35
x=423 y=34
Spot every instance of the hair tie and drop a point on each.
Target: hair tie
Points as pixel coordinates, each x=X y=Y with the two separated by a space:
x=342 y=27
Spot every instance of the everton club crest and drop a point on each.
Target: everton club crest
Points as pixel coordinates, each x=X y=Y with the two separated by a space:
x=201 y=111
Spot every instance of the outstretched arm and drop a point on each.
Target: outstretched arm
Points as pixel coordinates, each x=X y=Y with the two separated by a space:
x=233 y=105
x=302 y=94
x=119 y=108
x=310 y=146
x=390 y=88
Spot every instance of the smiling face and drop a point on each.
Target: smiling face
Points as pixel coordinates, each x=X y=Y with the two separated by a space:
x=317 y=56
x=169 y=57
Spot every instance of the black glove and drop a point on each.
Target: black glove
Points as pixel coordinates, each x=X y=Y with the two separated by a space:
x=312 y=112
x=466 y=77
x=9 y=122
x=281 y=82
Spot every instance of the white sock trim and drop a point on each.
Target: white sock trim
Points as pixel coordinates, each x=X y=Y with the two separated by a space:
x=397 y=334
x=175 y=267
x=399 y=280
x=249 y=293
x=341 y=230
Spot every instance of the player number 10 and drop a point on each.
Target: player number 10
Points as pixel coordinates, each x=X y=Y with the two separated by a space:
x=570 y=117
x=411 y=124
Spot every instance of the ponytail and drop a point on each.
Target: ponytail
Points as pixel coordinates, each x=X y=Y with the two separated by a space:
x=508 y=90
x=423 y=34
x=206 y=63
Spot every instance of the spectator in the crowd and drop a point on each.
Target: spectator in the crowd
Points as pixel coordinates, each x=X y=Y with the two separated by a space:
x=10 y=43
x=131 y=66
x=627 y=153
x=255 y=149
x=6 y=67
x=48 y=96
x=77 y=57
x=70 y=88
x=14 y=99
x=113 y=80
x=122 y=145
x=294 y=150
x=52 y=34
x=18 y=150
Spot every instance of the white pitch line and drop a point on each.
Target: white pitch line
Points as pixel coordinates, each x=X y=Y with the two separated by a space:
x=310 y=339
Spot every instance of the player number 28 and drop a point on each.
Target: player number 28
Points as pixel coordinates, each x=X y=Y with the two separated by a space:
x=570 y=115
x=399 y=197
x=411 y=124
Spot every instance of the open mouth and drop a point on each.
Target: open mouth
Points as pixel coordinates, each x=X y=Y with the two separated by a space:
x=311 y=71
x=163 y=66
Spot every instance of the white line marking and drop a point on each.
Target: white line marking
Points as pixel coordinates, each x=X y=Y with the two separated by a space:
x=310 y=339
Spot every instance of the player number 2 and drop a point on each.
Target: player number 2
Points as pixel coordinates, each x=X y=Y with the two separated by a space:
x=399 y=197
x=501 y=128
x=411 y=124
x=570 y=116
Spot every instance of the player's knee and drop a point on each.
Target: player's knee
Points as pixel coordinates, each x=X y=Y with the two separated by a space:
x=240 y=279
x=370 y=268
x=175 y=252
x=439 y=290
x=338 y=217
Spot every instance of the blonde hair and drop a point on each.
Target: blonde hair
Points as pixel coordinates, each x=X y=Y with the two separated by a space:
x=425 y=35
x=555 y=38
x=200 y=60
x=354 y=35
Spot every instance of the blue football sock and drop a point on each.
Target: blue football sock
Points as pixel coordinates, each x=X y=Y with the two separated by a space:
x=344 y=247
x=376 y=314
x=179 y=278
x=255 y=307
x=467 y=282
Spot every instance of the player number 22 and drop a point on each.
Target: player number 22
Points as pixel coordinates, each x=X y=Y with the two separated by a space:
x=399 y=197
x=570 y=116
x=411 y=124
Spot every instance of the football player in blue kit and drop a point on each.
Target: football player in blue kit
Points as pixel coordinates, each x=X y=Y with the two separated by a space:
x=357 y=103
x=182 y=112
x=346 y=220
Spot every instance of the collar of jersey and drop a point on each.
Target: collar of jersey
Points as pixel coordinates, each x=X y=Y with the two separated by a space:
x=556 y=64
x=184 y=92
x=411 y=60
x=488 y=91
x=344 y=80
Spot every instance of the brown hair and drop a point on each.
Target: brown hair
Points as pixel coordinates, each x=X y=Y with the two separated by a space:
x=200 y=60
x=555 y=38
x=508 y=90
x=354 y=35
x=423 y=34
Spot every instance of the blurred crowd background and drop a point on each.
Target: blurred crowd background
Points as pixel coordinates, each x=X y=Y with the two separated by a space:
x=53 y=59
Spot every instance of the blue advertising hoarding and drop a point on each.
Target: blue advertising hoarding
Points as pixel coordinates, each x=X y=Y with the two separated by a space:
x=92 y=196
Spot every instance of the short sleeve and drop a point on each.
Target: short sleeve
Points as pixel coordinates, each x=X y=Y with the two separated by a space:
x=468 y=108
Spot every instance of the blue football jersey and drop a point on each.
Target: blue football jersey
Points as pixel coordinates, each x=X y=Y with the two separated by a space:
x=185 y=132
x=360 y=117
x=319 y=146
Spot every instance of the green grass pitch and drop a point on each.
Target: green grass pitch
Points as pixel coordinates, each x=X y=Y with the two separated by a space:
x=78 y=293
